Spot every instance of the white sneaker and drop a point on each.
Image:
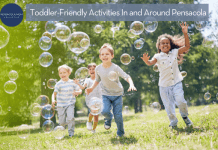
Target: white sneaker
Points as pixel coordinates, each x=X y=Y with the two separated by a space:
x=107 y=127
x=93 y=131
x=89 y=125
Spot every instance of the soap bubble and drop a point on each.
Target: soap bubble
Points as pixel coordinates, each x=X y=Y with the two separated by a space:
x=45 y=59
x=23 y=131
x=95 y=105
x=139 y=43
x=207 y=96
x=36 y=109
x=62 y=33
x=125 y=59
x=155 y=68
x=42 y=100
x=58 y=132
x=47 y=111
x=184 y=74
x=84 y=43
x=82 y=73
x=138 y=27
x=126 y=109
x=13 y=75
x=50 y=26
x=48 y=126
x=150 y=26
x=131 y=33
x=155 y=106
x=187 y=85
x=45 y=43
x=9 y=108
x=49 y=35
x=200 y=25
x=74 y=42
x=4 y=38
x=98 y=28
x=133 y=58
x=113 y=76
x=51 y=83
x=10 y=87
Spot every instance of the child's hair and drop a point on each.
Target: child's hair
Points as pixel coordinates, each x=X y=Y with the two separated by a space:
x=65 y=67
x=107 y=46
x=91 y=65
x=175 y=41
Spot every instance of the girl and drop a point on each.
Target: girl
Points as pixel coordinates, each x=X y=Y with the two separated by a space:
x=170 y=85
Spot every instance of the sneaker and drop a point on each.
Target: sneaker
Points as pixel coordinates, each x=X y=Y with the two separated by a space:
x=93 y=131
x=173 y=127
x=188 y=122
x=107 y=127
x=71 y=135
x=89 y=126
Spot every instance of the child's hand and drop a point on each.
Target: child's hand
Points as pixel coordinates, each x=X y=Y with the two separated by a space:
x=89 y=90
x=132 y=88
x=184 y=27
x=53 y=103
x=145 y=57
x=75 y=93
x=76 y=81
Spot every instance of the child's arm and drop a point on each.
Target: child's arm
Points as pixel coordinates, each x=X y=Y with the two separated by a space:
x=185 y=48
x=78 y=92
x=131 y=85
x=89 y=90
x=53 y=99
x=145 y=58
x=81 y=86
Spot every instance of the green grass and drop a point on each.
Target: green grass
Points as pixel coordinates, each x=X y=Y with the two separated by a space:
x=143 y=131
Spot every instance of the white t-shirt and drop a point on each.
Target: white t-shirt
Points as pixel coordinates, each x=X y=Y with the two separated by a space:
x=168 y=68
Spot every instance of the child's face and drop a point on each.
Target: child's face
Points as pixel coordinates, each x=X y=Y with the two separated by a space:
x=91 y=71
x=165 y=45
x=105 y=55
x=64 y=74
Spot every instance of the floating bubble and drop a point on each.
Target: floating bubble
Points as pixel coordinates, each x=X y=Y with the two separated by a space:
x=138 y=27
x=49 y=35
x=184 y=74
x=9 y=108
x=138 y=43
x=74 y=42
x=200 y=25
x=131 y=33
x=48 y=126
x=155 y=106
x=126 y=109
x=42 y=100
x=133 y=58
x=59 y=132
x=36 y=109
x=50 y=26
x=125 y=59
x=82 y=73
x=187 y=85
x=47 y=111
x=45 y=43
x=13 y=75
x=51 y=83
x=98 y=28
x=150 y=26
x=10 y=87
x=45 y=59
x=113 y=76
x=155 y=68
x=207 y=96
x=23 y=131
x=4 y=38
x=84 y=43
x=62 y=33
x=95 y=105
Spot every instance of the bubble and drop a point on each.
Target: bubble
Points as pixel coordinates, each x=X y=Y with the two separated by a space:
x=47 y=111
x=23 y=131
x=207 y=96
x=155 y=68
x=7 y=59
x=50 y=26
x=48 y=126
x=98 y=28
x=84 y=43
x=113 y=76
x=59 y=132
x=49 y=35
x=125 y=59
x=138 y=27
x=45 y=59
x=36 y=109
x=95 y=105
x=13 y=75
x=126 y=109
x=151 y=25
x=200 y=25
x=155 y=106
x=74 y=42
x=62 y=33
x=45 y=43
x=42 y=100
x=51 y=83
x=131 y=33
x=184 y=74
x=187 y=85
x=9 y=108
x=133 y=58
x=82 y=73
x=4 y=38
x=138 y=43
x=10 y=87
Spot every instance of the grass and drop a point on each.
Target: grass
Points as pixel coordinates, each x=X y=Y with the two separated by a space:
x=143 y=131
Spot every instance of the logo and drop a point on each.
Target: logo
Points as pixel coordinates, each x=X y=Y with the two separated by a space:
x=11 y=15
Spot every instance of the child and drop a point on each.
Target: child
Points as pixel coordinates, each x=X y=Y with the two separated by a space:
x=170 y=85
x=65 y=90
x=112 y=91
x=96 y=93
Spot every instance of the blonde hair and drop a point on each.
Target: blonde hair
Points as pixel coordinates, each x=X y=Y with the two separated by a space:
x=91 y=65
x=108 y=47
x=65 y=67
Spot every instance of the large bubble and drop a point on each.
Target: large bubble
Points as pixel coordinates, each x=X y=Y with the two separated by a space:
x=48 y=126
x=10 y=87
x=84 y=43
x=113 y=76
x=184 y=74
x=138 y=44
x=23 y=131
x=36 y=109
x=125 y=59
x=62 y=33
x=45 y=43
x=13 y=75
x=45 y=59
x=155 y=68
x=58 y=132
x=200 y=25
x=50 y=26
x=42 y=100
x=95 y=105
x=98 y=28
x=4 y=38
x=47 y=111
x=126 y=109
x=51 y=83
x=49 y=35
x=75 y=41
x=138 y=27
x=207 y=96
x=131 y=33
x=155 y=106
x=150 y=26
x=82 y=73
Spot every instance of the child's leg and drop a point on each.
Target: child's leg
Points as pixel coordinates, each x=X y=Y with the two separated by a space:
x=166 y=94
x=90 y=117
x=106 y=110
x=117 y=111
x=70 y=119
x=95 y=122
x=61 y=116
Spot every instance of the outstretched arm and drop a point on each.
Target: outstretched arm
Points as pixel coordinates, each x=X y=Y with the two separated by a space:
x=89 y=90
x=145 y=58
x=81 y=86
x=185 y=48
x=131 y=85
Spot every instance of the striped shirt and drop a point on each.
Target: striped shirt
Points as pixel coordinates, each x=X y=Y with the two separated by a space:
x=64 y=90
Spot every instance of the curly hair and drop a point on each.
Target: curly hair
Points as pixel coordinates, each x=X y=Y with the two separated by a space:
x=176 y=41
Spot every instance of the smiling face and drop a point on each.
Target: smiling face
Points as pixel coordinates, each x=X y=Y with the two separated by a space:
x=92 y=71
x=165 y=45
x=64 y=74
x=105 y=55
